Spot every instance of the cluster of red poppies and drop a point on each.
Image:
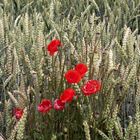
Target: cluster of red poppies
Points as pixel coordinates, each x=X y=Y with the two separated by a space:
x=59 y=104
x=71 y=76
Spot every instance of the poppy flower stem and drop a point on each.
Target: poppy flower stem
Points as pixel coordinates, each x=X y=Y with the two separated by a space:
x=62 y=78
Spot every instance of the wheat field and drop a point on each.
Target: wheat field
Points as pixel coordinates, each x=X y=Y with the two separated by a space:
x=102 y=34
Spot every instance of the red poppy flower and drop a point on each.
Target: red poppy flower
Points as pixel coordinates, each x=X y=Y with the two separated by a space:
x=45 y=106
x=58 y=105
x=18 y=112
x=67 y=95
x=91 y=87
x=53 y=46
x=72 y=76
x=81 y=68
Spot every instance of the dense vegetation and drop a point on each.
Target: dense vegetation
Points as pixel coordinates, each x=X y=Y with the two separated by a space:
x=104 y=35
